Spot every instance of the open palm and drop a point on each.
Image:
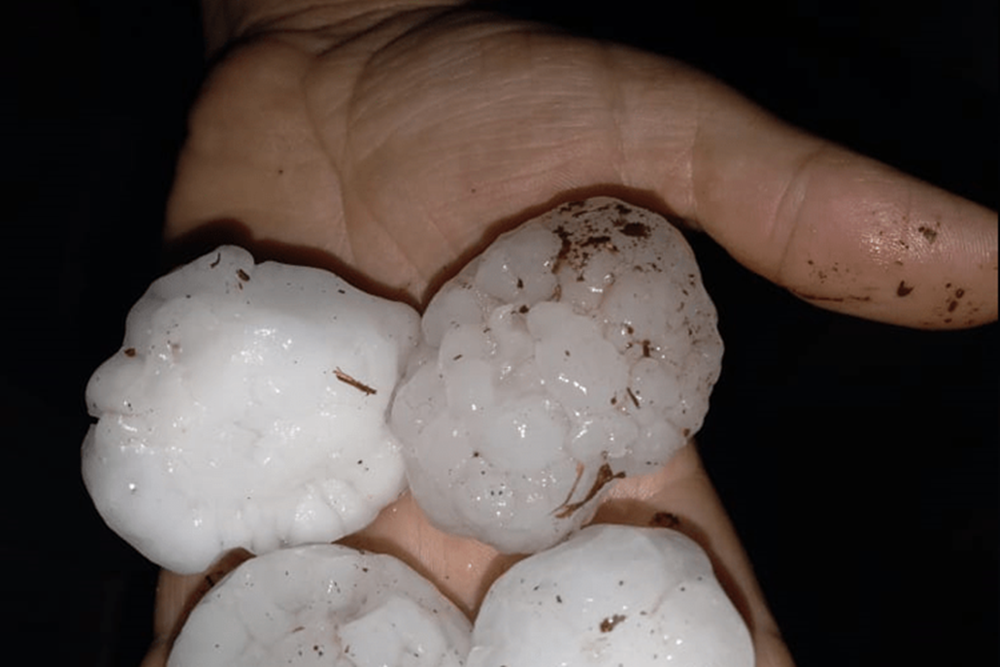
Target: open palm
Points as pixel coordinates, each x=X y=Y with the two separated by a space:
x=393 y=144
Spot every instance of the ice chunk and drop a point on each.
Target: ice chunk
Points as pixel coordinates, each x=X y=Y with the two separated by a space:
x=247 y=408
x=323 y=605
x=611 y=596
x=576 y=349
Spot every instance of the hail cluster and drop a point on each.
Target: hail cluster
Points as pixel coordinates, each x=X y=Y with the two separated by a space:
x=607 y=596
x=268 y=406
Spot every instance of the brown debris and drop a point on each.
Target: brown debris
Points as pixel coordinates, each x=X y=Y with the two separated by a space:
x=608 y=624
x=564 y=249
x=347 y=379
x=604 y=476
x=635 y=230
x=635 y=401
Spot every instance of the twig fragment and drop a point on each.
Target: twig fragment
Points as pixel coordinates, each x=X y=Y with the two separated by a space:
x=347 y=379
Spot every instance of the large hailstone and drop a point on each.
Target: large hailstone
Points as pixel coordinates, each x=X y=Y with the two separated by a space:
x=612 y=596
x=246 y=408
x=324 y=606
x=577 y=349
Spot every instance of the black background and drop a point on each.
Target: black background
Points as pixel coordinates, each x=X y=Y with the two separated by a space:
x=859 y=461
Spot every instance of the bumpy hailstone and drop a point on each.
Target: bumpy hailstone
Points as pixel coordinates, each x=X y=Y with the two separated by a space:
x=577 y=349
x=611 y=596
x=246 y=408
x=323 y=605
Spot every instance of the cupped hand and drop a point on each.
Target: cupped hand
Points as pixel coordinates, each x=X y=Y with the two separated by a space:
x=392 y=140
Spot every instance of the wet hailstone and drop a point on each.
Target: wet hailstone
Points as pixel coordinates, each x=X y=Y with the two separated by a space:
x=611 y=596
x=576 y=350
x=246 y=408
x=323 y=605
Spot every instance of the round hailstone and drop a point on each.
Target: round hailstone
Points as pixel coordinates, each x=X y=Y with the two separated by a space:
x=575 y=350
x=611 y=596
x=246 y=408
x=323 y=605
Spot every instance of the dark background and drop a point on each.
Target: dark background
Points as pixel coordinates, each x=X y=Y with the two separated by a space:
x=859 y=461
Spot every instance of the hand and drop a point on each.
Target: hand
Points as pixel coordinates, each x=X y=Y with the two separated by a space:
x=392 y=144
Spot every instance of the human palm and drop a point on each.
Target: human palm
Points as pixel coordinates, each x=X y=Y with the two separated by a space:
x=392 y=144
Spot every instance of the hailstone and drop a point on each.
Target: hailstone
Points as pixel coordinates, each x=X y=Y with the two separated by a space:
x=246 y=408
x=324 y=606
x=575 y=350
x=611 y=596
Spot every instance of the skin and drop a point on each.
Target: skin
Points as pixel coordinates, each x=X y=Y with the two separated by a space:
x=390 y=141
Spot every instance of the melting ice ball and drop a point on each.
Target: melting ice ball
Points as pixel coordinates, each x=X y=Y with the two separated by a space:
x=323 y=605
x=246 y=408
x=612 y=596
x=577 y=349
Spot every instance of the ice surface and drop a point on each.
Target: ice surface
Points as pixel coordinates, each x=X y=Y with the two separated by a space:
x=247 y=408
x=611 y=596
x=323 y=605
x=577 y=349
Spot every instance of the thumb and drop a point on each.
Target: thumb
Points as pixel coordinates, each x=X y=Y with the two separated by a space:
x=837 y=229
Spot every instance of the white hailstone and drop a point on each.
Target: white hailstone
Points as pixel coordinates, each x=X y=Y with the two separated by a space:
x=611 y=596
x=247 y=408
x=575 y=350
x=323 y=605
